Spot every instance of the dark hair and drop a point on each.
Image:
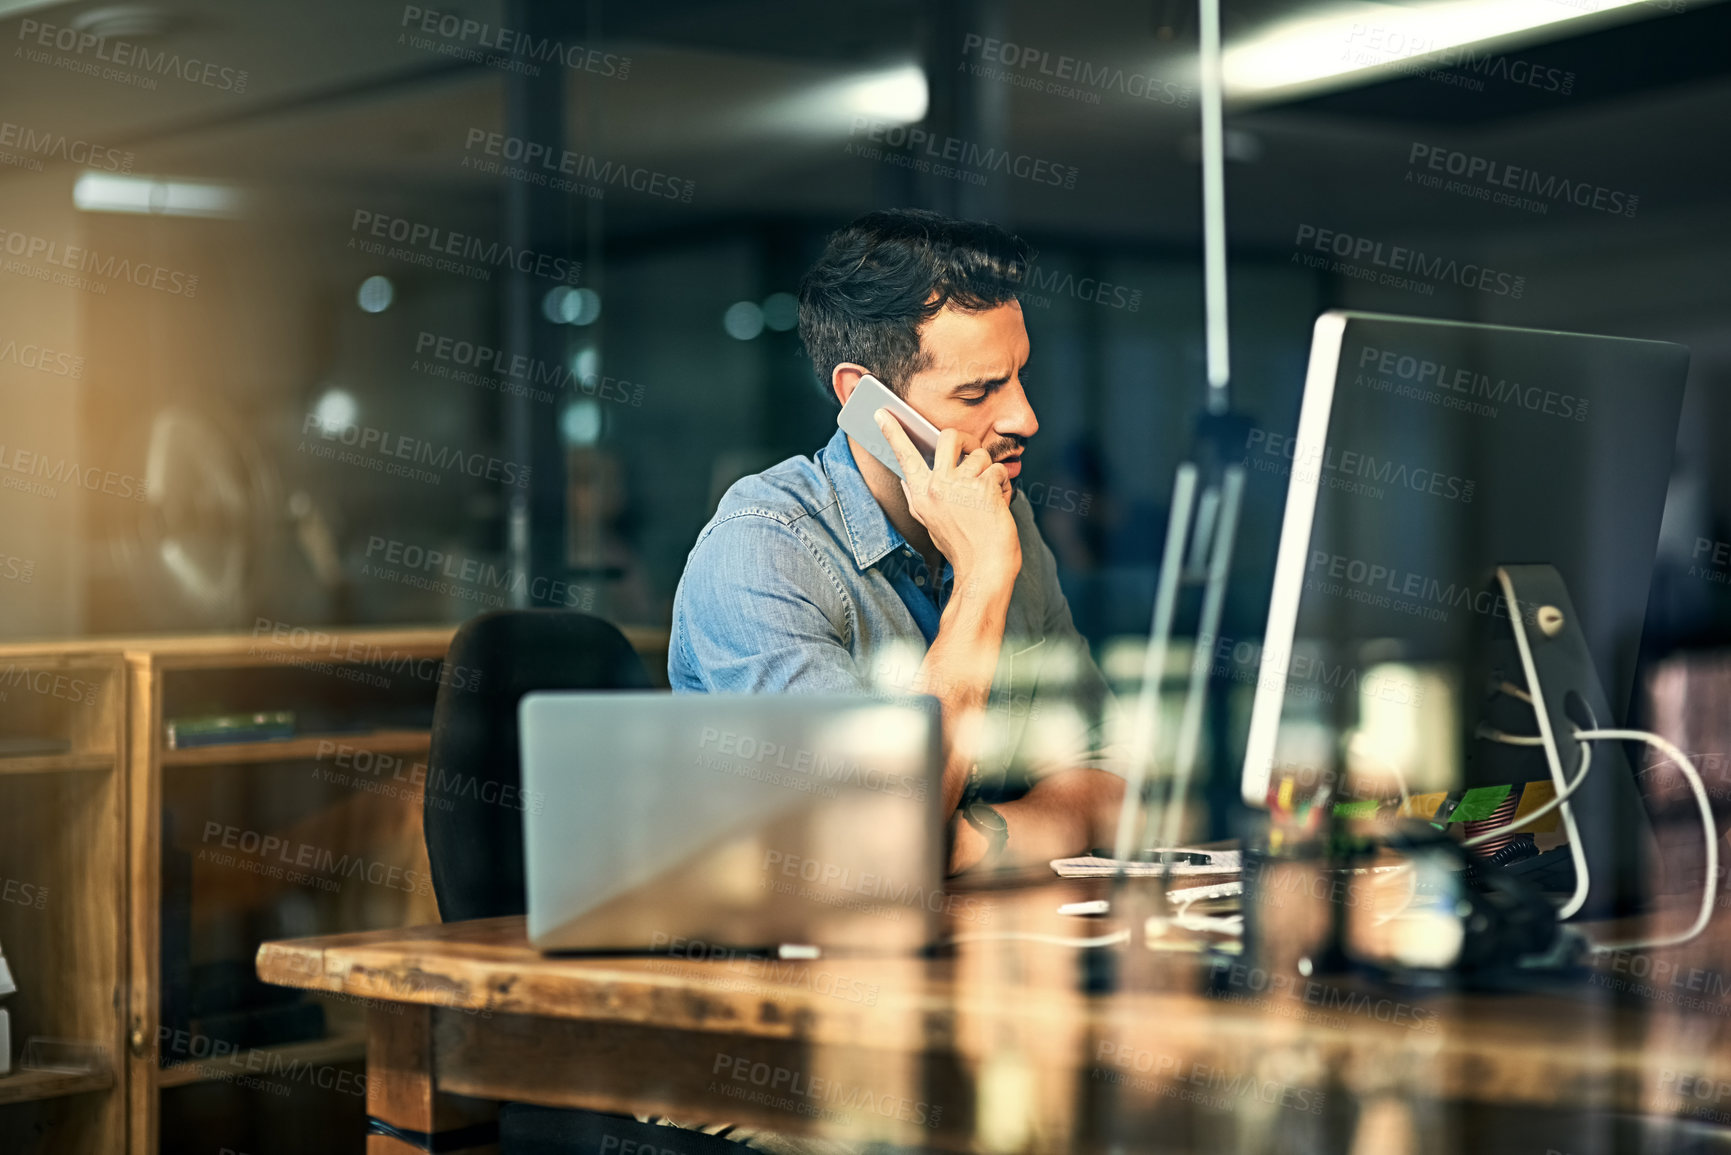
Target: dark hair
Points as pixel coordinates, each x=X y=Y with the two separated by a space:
x=888 y=273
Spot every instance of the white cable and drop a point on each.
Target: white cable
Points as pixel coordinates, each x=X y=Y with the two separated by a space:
x=1515 y=691
x=1580 y=777
x=1509 y=739
x=1710 y=890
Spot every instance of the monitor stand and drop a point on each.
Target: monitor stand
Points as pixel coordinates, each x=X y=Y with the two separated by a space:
x=1610 y=840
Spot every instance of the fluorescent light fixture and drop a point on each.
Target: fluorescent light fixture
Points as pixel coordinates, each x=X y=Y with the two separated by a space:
x=103 y=192
x=840 y=105
x=1349 y=38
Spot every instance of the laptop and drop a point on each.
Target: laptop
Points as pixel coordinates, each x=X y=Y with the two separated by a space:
x=713 y=822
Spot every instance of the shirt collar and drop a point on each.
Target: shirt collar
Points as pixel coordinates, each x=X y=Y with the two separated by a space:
x=869 y=532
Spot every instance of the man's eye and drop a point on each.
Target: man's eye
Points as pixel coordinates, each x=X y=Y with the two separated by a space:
x=973 y=400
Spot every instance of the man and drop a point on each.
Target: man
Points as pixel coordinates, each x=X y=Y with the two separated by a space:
x=811 y=572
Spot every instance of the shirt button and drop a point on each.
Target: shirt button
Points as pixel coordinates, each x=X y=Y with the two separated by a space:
x=920 y=580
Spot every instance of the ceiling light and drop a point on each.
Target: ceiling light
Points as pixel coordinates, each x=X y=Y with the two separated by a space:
x=1353 y=37
x=898 y=95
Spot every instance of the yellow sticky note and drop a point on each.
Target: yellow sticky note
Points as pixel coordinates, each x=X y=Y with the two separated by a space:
x=1534 y=796
x=1423 y=805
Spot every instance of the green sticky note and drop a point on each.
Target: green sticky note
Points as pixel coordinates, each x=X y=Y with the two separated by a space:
x=1359 y=808
x=1479 y=804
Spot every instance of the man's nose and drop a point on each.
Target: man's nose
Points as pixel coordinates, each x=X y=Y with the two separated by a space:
x=1017 y=418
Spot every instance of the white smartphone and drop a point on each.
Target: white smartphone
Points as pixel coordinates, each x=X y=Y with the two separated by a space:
x=856 y=419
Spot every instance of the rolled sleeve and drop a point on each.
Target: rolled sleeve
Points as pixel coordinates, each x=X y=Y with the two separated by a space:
x=759 y=611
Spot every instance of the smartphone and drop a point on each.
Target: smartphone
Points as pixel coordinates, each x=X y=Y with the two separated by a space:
x=856 y=419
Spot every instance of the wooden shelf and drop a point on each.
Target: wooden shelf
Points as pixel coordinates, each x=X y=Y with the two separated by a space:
x=27 y=1086
x=56 y=763
x=295 y=749
x=343 y=1048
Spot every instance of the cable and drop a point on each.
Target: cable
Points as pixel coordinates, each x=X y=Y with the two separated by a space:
x=1580 y=777
x=1710 y=890
x=1509 y=739
x=1515 y=691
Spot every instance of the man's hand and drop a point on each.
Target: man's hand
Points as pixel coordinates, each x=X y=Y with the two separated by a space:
x=964 y=504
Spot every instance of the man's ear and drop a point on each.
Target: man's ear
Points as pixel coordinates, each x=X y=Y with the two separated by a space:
x=844 y=378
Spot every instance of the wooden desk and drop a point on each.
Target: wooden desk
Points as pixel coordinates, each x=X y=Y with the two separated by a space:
x=996 y=1048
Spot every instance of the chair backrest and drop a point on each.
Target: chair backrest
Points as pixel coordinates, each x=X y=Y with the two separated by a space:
x=472 y=809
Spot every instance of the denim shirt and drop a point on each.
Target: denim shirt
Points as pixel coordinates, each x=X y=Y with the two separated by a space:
x=800 y=584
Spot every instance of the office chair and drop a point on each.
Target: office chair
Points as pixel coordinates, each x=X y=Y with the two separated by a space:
x=474 y=828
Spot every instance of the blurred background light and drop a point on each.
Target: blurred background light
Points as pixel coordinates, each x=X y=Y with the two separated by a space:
x=1345 y=39
x=376 y=294
x=106 y=192
x=897 y=94
x=581 y=422
x=582 y=307
x=743 y=320
x=586 y=363
x=555 y=306
x=336 y=410
x=781 y=311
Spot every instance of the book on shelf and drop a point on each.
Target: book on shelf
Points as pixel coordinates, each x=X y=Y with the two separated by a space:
x=222 y=729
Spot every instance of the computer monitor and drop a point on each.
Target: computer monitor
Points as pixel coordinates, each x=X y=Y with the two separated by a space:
x=1428 y=454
